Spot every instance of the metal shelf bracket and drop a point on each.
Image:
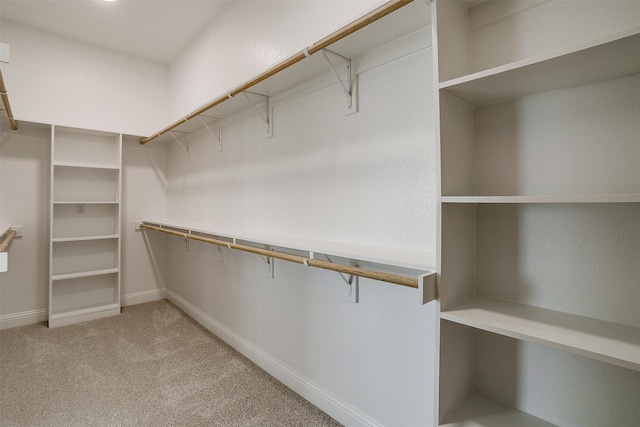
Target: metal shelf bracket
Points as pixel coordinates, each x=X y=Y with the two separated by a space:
x=270 y=265
x=218 y=134
x=353 y=282
x=186 y=149
x=348 y=83
x=266 y=115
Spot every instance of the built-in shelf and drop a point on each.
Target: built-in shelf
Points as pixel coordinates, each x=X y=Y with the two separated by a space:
x=84 y=165
x=397 y=257
x=595 y=198
x=479 y=410
x=84 y=238
x=83 y=314
x=599 y=60
x=609 y=342
x=80 y=274
x=85 y=202
x=299 y=69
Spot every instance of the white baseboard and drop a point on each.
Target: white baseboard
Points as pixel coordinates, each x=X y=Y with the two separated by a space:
x=336 y=408
x=142 y=297
x=22 y=319
x=36 y=316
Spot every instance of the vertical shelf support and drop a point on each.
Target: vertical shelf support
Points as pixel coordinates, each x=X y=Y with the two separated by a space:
x=218 y=134
x=427 y=287
x=266 y=115
x=348 y=83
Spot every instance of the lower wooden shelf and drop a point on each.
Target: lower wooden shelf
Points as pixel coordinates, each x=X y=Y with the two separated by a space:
x=83 y=314
x=609 y=342
x=479 y=410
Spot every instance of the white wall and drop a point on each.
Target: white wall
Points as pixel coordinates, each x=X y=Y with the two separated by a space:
x=24 y=200
x=366 y=178
x=53 y=79
x=144 y=257
x=247 y=38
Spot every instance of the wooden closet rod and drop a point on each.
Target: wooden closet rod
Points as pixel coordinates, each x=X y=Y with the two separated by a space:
x=410 y=282
x=5 y=101
x=354 y=26
x=6 y=239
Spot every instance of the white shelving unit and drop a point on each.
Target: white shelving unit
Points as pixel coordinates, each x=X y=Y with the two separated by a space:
x=540 y=210
x=85 y=225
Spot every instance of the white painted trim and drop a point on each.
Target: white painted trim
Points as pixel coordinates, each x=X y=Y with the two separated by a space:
x=36 y=316
x=323 y=399
x=22 y=319
x=142 y=297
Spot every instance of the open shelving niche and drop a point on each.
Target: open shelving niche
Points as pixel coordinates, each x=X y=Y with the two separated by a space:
x=400 y=33
x=85 y=225
x=487 y=227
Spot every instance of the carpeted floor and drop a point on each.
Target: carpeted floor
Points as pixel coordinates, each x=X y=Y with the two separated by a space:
x=150 y=366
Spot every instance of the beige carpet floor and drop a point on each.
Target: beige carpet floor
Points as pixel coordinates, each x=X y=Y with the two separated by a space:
x=150 y=366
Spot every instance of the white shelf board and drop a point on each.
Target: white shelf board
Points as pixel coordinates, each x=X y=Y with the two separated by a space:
x=398 y=257
x=599 y=60
x=85 y=202
x=84 y=238
x=404 y=21
x=591 y=198
x=83 y=314
x=609 y=342
x=478 y=411
x=79 y=274
x=83 y=165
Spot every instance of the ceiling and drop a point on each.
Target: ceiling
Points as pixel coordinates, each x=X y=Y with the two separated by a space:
x=157 y=30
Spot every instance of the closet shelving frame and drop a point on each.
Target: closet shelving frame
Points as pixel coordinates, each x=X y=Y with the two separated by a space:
x=478 y=204
x=85 y=225
x=390 y=22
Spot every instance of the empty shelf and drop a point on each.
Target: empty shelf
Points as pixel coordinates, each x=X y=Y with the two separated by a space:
x=595 y=198
x=603 y=59
x=79 y=274
x=478 y=410
x=605 y=341
x=83 y=314
x=398 y=257
x=84 y=238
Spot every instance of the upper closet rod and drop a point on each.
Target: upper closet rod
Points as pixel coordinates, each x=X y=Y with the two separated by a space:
x=6 y=239
x=356 y=25
x=311 y=262
x=7 y=106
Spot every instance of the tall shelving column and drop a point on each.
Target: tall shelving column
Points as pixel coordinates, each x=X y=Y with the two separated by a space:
x=539 y=239
x=85 y=212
